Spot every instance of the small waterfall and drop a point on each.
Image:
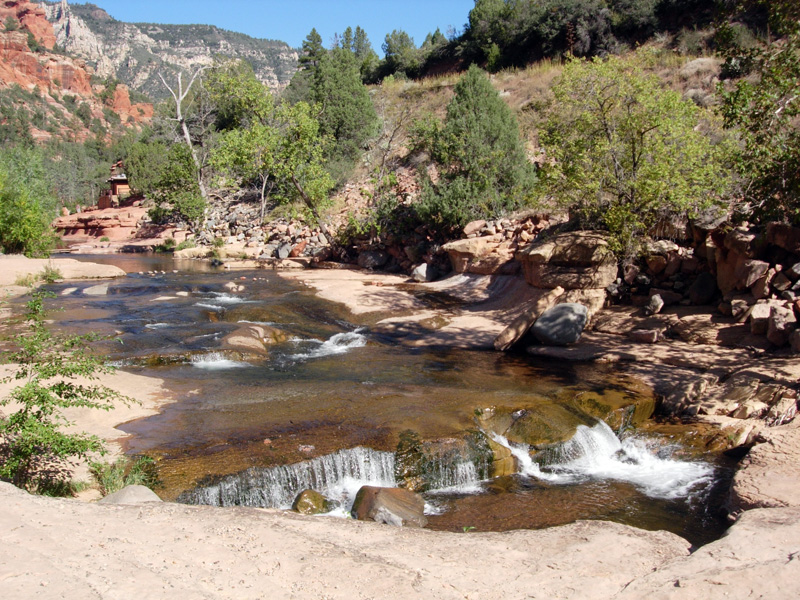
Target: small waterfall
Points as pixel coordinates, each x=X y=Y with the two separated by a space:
x=337 y=476
x=596 y=453
x=455 y=477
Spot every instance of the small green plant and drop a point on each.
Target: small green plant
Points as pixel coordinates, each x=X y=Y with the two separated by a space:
x=53 y=372
x=112 y=477
x=219 y=242
x=27 y=280
x=105 y=238
x=190 y=243
x=468 y=528
x=50 y=274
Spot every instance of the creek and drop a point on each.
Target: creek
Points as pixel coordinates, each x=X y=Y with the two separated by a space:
x=326 y=407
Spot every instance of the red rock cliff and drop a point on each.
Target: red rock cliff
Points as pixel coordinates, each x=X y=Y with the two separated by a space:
x=31 y=17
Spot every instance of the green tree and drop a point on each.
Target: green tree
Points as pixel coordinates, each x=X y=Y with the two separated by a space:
x=300 y=159
x=484 y=168
x=628 y=150
x=347 y=114
x=27 y=206
x=239 y=98
x=51 y=371
x=401 y=54
x=765 y=107
x=299 y=88
x=176 y=192
x=368 y=60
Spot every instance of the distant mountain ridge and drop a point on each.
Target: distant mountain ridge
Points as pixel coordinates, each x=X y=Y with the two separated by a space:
x=135 y=53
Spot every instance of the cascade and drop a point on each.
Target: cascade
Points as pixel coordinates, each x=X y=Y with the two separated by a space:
x=337 y=476
x=596 y=453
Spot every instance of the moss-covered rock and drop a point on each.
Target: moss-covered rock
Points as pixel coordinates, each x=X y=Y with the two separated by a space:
x=310 y=502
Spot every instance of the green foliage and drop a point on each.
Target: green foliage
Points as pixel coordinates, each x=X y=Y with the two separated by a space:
x=401 y=54
x=11 y=24
x=766 y=110
x=484 y=170
x=27 y=206
x=628 y=151
x=112 y=477
x=33 y=43
x=176 y=192
x=238 y=97
x=145 y=162
x=51 y=371
x=347 y=115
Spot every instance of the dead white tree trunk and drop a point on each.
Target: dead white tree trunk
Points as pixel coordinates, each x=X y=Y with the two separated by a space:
x=179 y=96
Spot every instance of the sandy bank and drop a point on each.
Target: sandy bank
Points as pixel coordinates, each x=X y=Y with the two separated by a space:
x=68 y=549
x=14 y=267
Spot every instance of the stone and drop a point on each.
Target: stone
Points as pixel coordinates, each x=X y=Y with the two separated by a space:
x=96 y=290
x=310 y=502
x=253 y=338
x=131 y=494
x=793 y=272
x=561 y=325
x=420 y=273
x=739 y=308
x=392 y=506
x=656 y=264
x=645 y=336
x=298 y=249
x=474 y=227
x=703 y=290
x=283 y=251
x=483 y=256
x=372 y=259
x=741 y=241
x=782 y=323
x=759 y=317
x=794 y=340
x=575 y=260
x=654 y=305
x=750 y=271
x=520 y=326
x=761 y=287
x=784 y=236
x=668 y=296
x=781 y=282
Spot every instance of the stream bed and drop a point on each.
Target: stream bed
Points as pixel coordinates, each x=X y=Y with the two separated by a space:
x=326 y=406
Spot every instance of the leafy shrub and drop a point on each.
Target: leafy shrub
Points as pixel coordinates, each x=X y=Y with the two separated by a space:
x=628 y=151
x=483 y=166
x=35 y=448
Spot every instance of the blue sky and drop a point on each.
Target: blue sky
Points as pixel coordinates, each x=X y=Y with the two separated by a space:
x=291 y=20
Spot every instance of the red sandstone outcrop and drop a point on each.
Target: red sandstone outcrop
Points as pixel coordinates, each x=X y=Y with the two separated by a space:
x=31 y=17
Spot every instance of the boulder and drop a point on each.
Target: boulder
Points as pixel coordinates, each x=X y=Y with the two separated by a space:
x=131 y=494
x=420 y=273
x=782 y=323
x=392 y=506
x=654 y=305
x=645 y=336
x=486 y=255
x=310 y=502
x=253 y=338
x=474 y=227
x=520 y=326
x=703 y=290
x=283 y=251
x=372 y=259
x=784 y=236
x=575 y=260
x=668 y=296
x=561 y=325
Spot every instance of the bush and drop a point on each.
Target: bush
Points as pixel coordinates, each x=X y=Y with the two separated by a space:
x=484 y=169
x=628 y=151
x=112 y=477
x=35 y=451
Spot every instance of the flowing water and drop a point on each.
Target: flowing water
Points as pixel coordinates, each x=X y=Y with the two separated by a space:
x=324 y=409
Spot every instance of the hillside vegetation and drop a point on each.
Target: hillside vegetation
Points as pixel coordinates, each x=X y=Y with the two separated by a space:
x=620 y=140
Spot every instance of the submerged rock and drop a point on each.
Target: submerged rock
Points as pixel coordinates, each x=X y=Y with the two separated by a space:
x=392 y=506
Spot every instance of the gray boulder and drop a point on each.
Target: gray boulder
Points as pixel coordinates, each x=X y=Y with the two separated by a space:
x=372 y=259
x=131 y=494
x=561 y=325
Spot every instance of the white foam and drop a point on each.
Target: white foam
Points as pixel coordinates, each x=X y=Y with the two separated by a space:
x=596 y=453
x=157 y=325
x=216 y=361
x=337 y=344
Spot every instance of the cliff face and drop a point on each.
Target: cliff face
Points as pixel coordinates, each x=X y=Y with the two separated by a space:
x=138 y=53
x=51 y=85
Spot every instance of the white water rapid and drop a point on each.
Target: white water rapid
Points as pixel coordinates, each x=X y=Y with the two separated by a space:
x=596 y=453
